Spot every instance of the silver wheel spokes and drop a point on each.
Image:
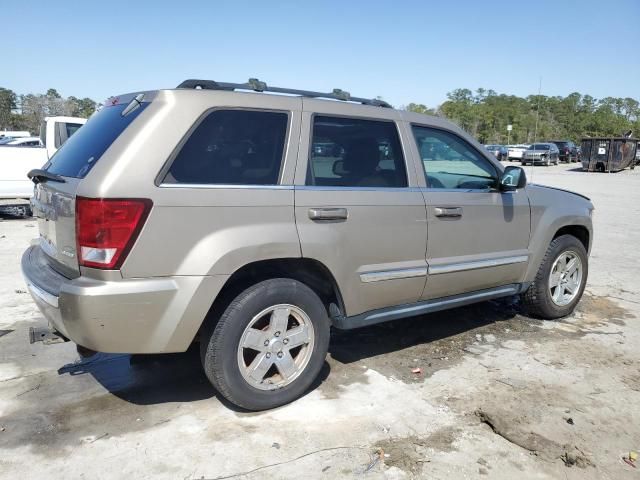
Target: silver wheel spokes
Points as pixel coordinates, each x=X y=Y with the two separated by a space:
x=275 y=347
x=565 y=278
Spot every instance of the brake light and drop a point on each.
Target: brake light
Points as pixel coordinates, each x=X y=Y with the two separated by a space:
x=107 y=228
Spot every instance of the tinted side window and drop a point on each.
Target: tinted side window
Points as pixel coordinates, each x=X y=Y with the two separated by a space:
x=450 y=162
x=351 y=152
x=232 y=147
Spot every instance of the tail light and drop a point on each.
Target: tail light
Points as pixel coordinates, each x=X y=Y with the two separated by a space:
x=107 y=228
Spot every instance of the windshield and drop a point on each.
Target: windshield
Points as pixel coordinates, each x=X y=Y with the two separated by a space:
x=82 y=151
x=539 y=146
x=4 y=140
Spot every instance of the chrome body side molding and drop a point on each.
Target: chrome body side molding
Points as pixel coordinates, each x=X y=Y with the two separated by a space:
x=462 y=266
x=393 y=274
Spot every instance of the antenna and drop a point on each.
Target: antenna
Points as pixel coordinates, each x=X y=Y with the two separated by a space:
x=535 y=130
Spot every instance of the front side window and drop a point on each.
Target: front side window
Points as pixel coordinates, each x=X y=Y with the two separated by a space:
x=352 y=152
x=450 y=162
x=235 y=147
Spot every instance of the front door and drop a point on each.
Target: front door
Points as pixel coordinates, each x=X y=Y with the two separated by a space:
x=357 y=215
x=478 y=235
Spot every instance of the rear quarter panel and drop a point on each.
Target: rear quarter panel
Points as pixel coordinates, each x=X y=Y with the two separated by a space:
x=197 y=229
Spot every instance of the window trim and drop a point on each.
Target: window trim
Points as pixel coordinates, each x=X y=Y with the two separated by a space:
x=353 y=187
x=162 y=173
x=469 y=145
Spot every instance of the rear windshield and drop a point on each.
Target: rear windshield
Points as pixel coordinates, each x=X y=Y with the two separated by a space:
x=539 y=146
x=81 y=152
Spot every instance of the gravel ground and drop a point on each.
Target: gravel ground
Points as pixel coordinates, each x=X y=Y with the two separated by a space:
x=499 y=394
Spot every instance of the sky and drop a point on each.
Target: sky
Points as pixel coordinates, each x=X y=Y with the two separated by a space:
x=404 y=51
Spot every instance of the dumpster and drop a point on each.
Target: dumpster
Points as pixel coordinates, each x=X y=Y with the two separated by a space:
x=610 y=154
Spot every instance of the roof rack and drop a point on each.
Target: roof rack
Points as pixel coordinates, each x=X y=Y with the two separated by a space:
x=256 y=85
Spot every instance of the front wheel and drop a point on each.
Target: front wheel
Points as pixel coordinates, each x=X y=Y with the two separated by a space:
x=268 y=346
x=560 y=281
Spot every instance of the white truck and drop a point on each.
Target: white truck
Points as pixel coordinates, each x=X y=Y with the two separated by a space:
x=16 y=162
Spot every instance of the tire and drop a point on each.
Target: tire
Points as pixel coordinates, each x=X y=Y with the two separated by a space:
x=222 y=355
x=538 y=300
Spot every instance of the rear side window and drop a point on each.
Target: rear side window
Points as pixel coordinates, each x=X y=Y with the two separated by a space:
x=353 y=152
x=232 y=147
x=81 y=152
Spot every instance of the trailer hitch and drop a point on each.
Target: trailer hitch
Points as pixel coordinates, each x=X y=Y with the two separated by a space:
x=45 y=335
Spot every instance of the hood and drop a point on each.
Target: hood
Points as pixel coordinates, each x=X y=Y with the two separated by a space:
x=559 y=189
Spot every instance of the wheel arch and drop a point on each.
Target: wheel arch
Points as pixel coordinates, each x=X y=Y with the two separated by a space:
x=311 y=272
x=579 y=231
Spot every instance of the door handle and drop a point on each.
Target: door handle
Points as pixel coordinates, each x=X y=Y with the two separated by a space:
x=448 y=212
x=328 y=213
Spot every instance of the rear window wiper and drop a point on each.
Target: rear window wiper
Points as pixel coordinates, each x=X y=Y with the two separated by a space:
x=38 y=175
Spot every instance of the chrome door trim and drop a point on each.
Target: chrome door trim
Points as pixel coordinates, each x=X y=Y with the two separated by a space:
x=393 y=274
x=330 y=188
x=476 y=264
x=226 y=186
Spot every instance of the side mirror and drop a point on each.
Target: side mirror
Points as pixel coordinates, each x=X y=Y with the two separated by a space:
x=512 y=179
x=338 y=168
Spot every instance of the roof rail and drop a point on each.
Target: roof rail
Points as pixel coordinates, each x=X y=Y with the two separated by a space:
x=256 y=85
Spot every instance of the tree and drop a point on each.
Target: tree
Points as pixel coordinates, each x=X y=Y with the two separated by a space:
x=419 y=108
x=485 y=114
x=7 y=105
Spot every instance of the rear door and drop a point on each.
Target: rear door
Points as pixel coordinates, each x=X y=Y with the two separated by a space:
x=357 y=209
x=478 y=236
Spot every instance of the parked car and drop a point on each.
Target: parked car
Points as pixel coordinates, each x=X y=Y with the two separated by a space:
x=542 y=153
x=276 y=244
x=567 y=151
x=24 y=142
x=515 y=151
x=499 y=151
x=15 y=163
x=14 y=134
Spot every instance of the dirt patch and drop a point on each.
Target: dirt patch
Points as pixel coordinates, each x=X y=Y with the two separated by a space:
x=407 y=453
x=411 y=453
x=633 y=382
x=439 y=341
x=594 y=311
x=514 y=431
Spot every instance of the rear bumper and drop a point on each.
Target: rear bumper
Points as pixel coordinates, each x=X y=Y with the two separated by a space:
x=140 y=315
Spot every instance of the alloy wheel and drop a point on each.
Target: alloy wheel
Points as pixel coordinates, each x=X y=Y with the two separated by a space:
x=565 y=278
x=275 y=347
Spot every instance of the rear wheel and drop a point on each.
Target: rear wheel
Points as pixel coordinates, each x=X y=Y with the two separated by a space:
x=560 y=281
x=268 y=346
